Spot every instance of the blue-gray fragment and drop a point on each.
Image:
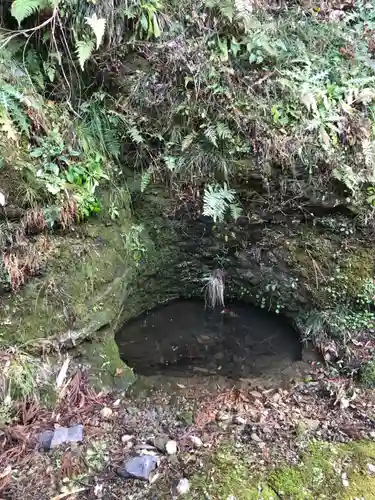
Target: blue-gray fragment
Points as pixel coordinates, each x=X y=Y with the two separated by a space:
x=61 y=435
x=139 y=467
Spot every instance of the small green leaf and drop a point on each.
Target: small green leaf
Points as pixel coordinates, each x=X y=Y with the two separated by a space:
x=144 y=22
x=70 y=177
x=155 y=23
x=53 y=168
x=36 y=153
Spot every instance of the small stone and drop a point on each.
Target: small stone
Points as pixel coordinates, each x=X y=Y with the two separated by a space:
x=344 y=479
x=222 y=416
x=160 y=442
x=196 y=441
x=106 y=412
x=126 y=438
x=171 y=447
x=183 y=486
x=173 y=460
x=139 y=467
x=267 y=430
x=255 y=437
x=154 y=478
x=239 y=420
x=256 y=394
x=372 y=434
x=371 y=468
x=311 y=424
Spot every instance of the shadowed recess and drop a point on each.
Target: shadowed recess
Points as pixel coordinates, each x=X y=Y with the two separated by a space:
x=183 y=338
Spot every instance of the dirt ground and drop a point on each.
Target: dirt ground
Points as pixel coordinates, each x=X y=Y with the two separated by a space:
x=271 y=427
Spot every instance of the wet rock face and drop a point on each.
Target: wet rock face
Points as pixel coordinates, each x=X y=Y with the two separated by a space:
x=282 y=262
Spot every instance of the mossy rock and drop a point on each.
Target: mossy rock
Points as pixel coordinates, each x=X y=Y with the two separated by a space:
x=107 y=369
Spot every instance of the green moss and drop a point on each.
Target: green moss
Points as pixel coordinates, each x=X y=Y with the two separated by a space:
x=314 y=477
x=355 y=268
x=228 y=474
x=107 y=369
x=318 y=475
x=367 y=374
x=331 y=274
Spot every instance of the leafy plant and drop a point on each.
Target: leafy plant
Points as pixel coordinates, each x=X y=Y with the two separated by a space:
x=21 y=9
x=134 y=244
x=218 y=200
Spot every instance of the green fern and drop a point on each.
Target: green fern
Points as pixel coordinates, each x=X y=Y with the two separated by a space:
x=145 y=179
x=187 y=141
x=243 y=11
x=84 y=50
x=101 y=131
x=135 y=135
x=98 y=27
x=225 y=7
x=11 y=108
x=21 y=9
x=217 y=200
x=223 y=131
x=235 y=211
x=210 y=134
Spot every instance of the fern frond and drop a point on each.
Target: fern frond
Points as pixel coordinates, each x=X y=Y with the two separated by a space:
x=368 y=149
x=187 y=141
x=210 y=133
x=145 y=179
x=235 y=211
x=223 y=132
x=216 y=201
x=98 y=27
x=13 y=109
x=135 y=135
x=170 y=163
x=244 y=11
x=21 y=9
x=84 y=49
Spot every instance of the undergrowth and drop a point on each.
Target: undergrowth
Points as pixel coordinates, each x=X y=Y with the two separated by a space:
x=234 y=99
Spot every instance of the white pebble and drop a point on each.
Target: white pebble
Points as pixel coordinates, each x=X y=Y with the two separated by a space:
x=106 y=412
x=183 y=486
x=171 y=447
x=196 y=441
x=126 y=438
x=345 y=481
x=239 y=420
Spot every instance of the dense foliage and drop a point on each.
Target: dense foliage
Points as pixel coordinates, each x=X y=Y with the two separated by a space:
x=199 y=93
x=232 y=104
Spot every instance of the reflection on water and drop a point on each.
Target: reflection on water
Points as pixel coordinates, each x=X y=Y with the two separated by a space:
x=182 y=339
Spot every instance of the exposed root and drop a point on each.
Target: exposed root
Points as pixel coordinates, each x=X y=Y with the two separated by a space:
x=214 y=289
x=34 y=221
x=68 y=213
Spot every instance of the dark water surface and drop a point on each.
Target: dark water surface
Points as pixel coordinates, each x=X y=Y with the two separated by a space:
x=181 y=338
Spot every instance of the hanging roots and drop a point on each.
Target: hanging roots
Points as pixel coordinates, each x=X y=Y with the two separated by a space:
x=214 y=289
